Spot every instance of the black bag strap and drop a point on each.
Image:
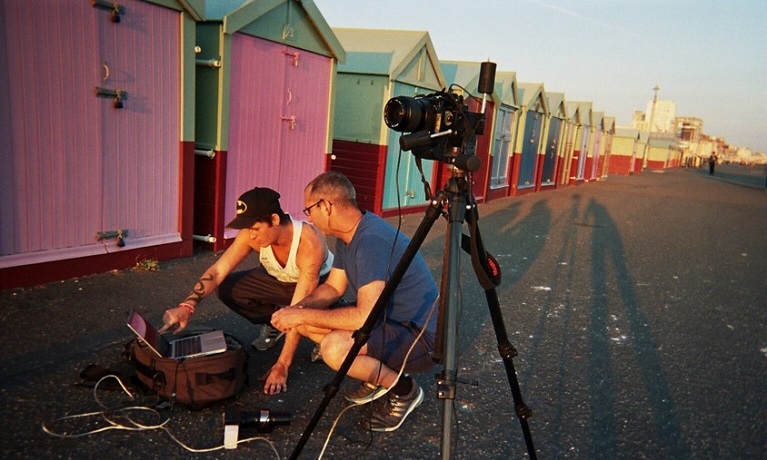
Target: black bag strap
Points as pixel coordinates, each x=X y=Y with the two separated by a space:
x=150 y=371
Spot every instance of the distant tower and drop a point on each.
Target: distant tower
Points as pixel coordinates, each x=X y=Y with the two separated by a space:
x=654 y=108
x=650 y=126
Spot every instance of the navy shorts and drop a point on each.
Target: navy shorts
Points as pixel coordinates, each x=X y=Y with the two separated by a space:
x=390 y=342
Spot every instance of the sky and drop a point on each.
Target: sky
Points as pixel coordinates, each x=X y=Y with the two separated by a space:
x=707 y=56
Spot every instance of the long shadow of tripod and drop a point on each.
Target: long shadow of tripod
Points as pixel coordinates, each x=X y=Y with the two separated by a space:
x=461 y=206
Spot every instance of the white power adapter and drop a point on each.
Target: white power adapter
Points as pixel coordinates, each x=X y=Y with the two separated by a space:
x=231 y=427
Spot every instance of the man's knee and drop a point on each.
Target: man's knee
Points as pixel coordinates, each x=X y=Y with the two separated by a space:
x=335 y=346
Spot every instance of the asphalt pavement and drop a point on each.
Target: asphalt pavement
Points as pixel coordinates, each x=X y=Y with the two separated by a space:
x=636 y=305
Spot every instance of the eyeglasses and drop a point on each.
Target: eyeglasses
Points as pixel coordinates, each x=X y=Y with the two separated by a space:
x=308 y=209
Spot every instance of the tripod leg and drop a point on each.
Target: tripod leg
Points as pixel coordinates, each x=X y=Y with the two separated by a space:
x=505 y=348
x=508 y=352
x=448 y=378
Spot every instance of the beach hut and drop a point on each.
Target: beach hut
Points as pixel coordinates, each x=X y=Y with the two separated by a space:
x=643 y=148
x=381 y=64
x=554 y=136
x=572 y=129
x=663 y=152
x=624 y=151
x=596 y=149
x=265 y=73
x=504 y=132
x=97 y=128
x=532 y=116
x=583 y=142
x=607 y=146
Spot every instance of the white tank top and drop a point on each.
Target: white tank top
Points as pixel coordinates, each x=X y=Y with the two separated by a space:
x=289 y=273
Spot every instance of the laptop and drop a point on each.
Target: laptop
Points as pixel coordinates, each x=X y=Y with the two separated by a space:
x=183 y=348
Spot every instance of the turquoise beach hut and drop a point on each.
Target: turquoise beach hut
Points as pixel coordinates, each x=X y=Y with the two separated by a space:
x=381 y=64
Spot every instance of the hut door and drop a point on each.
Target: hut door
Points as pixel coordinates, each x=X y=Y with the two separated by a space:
x=278 y=120
x=584 y=152
x=140 y=132
x=567 y=155
x=552 y=150
x=401 y=169
x=304 y=124
x=530 y=145
x=594 y=173
x=499 y=172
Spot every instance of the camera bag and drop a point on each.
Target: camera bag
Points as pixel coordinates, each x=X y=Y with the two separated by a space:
x=196 y=382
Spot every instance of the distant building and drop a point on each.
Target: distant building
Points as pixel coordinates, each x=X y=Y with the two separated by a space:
x=639 y=121
x=688 y=128
x=661 y=118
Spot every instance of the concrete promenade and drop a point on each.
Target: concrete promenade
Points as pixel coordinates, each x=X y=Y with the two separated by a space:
x=637 y=305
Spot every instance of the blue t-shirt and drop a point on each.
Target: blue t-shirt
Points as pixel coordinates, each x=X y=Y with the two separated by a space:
x=369 y=257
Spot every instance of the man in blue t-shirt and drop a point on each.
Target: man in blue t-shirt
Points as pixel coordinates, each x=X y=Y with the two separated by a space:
x=367 y=251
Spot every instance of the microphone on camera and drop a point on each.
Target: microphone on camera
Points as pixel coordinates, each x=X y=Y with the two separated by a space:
x=486 y=81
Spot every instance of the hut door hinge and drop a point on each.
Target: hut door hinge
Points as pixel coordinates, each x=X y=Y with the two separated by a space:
x=116 y=11
x=292 y=121
x=294 y=55
x=117 y=94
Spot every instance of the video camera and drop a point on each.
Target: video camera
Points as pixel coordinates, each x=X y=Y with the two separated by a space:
x=441 y=126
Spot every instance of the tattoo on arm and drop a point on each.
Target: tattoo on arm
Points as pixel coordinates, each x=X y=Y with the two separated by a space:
x=313 y=275
x=198 y=292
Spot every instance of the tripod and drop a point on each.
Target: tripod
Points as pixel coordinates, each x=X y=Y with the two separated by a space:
x=459 y=201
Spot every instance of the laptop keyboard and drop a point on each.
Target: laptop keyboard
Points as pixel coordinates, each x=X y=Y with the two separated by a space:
x=188 y=346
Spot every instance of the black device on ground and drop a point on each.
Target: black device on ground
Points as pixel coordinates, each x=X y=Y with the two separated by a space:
x=432 y=140
x=262 y=420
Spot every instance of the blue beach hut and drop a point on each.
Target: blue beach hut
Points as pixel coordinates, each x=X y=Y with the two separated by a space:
x=554 y=136
x=533 y=114
x=507 y=106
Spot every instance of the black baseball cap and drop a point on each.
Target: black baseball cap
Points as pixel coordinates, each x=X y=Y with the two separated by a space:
x=255 y=204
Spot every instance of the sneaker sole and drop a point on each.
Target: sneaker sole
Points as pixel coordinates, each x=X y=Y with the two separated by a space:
x=380 y=391
x=410 y=409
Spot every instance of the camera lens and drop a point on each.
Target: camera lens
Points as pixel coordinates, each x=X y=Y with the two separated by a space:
x=408 y=114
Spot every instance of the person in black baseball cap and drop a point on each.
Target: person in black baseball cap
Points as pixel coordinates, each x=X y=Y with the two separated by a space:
x=293 y=259
x=254 y=205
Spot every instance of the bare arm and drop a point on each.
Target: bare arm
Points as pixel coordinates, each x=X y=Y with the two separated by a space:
x=207 y=283
x=327 y=293
x=348 y=318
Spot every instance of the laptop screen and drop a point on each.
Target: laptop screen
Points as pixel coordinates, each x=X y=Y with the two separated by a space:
x=148 y=333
